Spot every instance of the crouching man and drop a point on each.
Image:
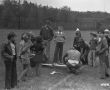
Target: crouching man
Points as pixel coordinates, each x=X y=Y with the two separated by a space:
x=72 y=60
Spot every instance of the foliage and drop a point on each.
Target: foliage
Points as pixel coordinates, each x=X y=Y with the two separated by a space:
x=32 y=16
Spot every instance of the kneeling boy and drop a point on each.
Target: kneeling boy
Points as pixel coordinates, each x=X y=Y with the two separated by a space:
x=72 y=60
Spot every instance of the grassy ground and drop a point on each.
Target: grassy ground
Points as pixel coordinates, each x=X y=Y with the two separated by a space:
x=88 y=80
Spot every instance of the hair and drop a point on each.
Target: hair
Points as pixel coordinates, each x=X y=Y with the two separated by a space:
x=11 y=35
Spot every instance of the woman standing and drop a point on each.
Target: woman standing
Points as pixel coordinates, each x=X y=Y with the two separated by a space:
x=24 y=54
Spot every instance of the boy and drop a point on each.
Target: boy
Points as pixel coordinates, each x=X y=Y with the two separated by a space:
x=72 y=60
x=9 y=54
x=102 y=52
x=93 y=44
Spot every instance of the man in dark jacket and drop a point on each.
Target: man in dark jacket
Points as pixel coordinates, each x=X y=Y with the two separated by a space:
x=47 y=35
x=9 y=55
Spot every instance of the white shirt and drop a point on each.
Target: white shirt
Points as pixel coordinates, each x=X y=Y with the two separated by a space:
x=13 y=48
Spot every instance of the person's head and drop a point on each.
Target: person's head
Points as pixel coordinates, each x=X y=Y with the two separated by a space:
x=78 y=33
x=106 y=32
x=100 y=34
x=25 y=37
x=60 y=28
x=11 y=37
x=31 y=35
x=39 y=40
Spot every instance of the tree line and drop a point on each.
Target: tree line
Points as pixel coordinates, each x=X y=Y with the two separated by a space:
x=14 y=15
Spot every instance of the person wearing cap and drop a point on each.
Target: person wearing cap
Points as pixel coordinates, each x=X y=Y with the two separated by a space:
x=47 y=35
x=107 y=33
x=59 y=39
x=38 y=50
x=24 y=54
x=72 y=60
x=102 y=52
x=93 y=44
x=9 y=54
x=77 y=39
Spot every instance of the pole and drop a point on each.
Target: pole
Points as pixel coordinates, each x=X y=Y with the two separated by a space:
x=19 y=17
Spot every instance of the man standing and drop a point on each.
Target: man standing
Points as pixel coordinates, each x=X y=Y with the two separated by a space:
x=106 y=33
x=102 y=52
x=59 y=40
x=9 y=55
x=47 y=35
x=93 y=44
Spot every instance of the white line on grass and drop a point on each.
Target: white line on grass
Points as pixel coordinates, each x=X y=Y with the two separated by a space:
x=60 y=82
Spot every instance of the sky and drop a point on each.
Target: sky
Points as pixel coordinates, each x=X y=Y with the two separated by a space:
x=77 y=5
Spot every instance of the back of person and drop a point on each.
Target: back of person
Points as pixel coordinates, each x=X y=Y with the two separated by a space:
x=73 y=54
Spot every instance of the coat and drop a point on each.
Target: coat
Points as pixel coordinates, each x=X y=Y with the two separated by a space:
x=6 y=52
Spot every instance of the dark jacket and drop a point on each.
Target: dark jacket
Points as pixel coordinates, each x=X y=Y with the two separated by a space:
x=6 y=52
x=46 y=33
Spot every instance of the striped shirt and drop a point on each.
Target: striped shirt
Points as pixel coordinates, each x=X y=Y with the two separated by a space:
x=59 y=36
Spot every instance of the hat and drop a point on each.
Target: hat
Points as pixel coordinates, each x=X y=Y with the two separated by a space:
x=77 y=29
x=106 y=30
x=93 y=34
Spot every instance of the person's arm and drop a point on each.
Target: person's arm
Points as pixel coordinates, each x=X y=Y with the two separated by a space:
x=74 y=42
x=4 y=53
x=104 y=42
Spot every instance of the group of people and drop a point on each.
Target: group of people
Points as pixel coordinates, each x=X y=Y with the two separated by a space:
x=87 y=52
x=34 y=50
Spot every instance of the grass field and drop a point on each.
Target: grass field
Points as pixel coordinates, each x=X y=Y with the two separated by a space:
x=45 y=77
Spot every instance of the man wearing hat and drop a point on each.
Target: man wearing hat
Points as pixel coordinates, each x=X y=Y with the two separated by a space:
x=9 y=55
x=106 y=33
x=93 y=44
x=102 y=52
x=59 y=41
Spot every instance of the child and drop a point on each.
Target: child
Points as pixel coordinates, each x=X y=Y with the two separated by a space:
x=59 y=40
x=24 y=54
x=93 y=44
x=37 y=49
x=72 y=60
x=102 y=52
